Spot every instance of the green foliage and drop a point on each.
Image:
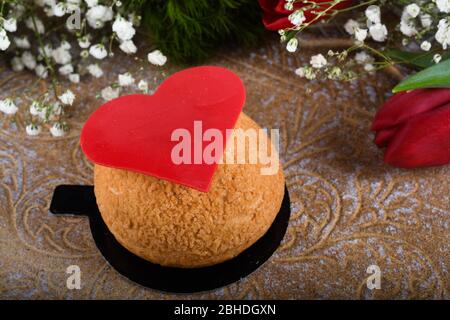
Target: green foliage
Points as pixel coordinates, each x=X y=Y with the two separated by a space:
x=437 y=76
x=419 y=60
x=189 y=31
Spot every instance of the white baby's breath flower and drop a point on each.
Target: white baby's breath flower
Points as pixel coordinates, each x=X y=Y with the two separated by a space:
x=28 y=60
x=97 y=16
x=413 y=10
x=4 y=42
x=48 y=11
x=59 y=9
x=61 y=55
x=125 y=79
x=369 y=67
x=110 y=93
x=36 y=109
x=292 y=45
x=45 y=51
x=123 y=28
x=57 y=130
x=65 y=45
x=297 y=17
x=378 y=32
x=373 y=14
x=74 y=78
x=98 y=51
x=33 y=129
x=426 y=20
x=443 y=34
x=157 y=58
x=443 y=5
x=22 y=43
x=84 y=42
x=17 y=10
x=8 y=106
x=67 y=97
x=66 y=69
x=318 y=61
x=306 y=72
x=143 y=86
x=10 y=25
x=301 y=72
x=128 y=47
x=425 y=46
x=407 y=23
x=41 y=71
x=95 y=70
x=109 y=14
x=360 y=34
x=350 y=26
x=91 y=3
x=362 y=57
x=16 y=64
x=30 y=23
x=437 y=58
x=408 y=28
x=73 y=5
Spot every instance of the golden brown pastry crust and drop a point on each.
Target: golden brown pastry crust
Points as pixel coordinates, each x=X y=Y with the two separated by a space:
x=177 y=226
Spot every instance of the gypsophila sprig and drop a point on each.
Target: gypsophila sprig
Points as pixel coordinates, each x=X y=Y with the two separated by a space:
x=64 y=43
x=422 y=29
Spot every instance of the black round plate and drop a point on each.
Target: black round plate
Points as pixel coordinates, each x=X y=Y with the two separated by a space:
x=80 y=200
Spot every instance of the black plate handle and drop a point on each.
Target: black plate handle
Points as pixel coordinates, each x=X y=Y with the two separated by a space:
x=74 y=200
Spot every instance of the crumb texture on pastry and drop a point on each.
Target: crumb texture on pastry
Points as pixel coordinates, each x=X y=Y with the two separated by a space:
x=173 y=225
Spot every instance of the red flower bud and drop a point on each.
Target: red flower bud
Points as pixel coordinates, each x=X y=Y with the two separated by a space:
x=276 y=16
x=414 y=127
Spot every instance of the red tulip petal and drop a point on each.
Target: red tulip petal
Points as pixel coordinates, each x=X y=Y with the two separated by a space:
x=404 y=106
x=383 y=137
x=276 y=16
x=422 y=142
x=275 y=23
x=309 y=15
x=268 y=5
x=279 y=7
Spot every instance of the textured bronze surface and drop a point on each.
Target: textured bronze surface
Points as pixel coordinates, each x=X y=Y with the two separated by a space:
x=350 y=210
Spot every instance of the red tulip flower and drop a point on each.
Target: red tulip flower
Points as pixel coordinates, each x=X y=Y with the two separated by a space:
x=276 y=17
x=414 y=127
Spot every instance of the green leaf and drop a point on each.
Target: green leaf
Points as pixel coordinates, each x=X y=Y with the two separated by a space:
x=421 y=60
x=190 y=31
x=437 y=76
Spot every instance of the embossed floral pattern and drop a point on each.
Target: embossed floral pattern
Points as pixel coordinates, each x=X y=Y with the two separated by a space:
x=349 y=210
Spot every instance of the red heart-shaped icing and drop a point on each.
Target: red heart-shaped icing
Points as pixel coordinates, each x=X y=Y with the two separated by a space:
x=134 y=132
